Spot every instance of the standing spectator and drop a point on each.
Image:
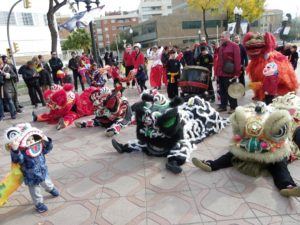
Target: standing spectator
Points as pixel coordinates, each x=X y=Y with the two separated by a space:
x=74 y=66
x=156 y=71
x=228 y=68
x=7 y=89
x=113 y=59
x=173 y=73
x=244 y=58
x=55 y=65
x=128 y=62
x=15 y=81
x=164 y=60
x=206 y=60
x=188 y=57
x=138 y=57
x=107 y=59
x=31 y=78
x=179 y=55
x=203 y=42
x=294 y=56
x=45 y=74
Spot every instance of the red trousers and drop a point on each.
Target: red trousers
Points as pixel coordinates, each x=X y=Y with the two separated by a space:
x=156 y=76
x=69 y=118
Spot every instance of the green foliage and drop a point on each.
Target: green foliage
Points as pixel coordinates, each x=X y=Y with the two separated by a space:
x=79 y=39
x=252 y=9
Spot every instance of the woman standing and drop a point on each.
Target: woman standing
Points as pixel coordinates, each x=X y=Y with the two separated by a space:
x=7 y=89
x=156 y=71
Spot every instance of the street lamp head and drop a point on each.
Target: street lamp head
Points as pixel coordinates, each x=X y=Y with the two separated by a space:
x=236 y=10
x=97 y=3
x=285 y=18
x=241 y=11
x=130 y=30
x=199 y=32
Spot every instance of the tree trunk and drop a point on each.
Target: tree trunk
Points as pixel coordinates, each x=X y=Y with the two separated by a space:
x=50 y=17
x=204 y=23
x=53 y=32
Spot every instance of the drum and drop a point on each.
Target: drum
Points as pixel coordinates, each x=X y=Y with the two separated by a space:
x=194 y=80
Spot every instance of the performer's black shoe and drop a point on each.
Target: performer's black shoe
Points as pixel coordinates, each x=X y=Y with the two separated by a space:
x=173 y=167
x=119 y=147
x=34 y=117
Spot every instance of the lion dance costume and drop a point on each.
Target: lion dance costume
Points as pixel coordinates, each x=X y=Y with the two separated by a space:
x=65 y=105
x=264 y=137
x=171 y=129
x=261 y=49
x=111 y=110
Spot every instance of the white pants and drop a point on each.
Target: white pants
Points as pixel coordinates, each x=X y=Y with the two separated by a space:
x=36 y=192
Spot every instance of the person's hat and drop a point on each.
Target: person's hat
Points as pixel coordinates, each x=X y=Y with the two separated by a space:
x=236 y=90
x=155 y=46
x=138 y=45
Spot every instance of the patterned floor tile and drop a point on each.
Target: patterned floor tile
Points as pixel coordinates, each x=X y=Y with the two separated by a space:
x=221 y=204
x=130 y=210
x=252 y=221
x=67 y=213
x=172 y=208
x=278 y=220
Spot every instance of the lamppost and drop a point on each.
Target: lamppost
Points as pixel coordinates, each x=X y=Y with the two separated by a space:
x=88 y=8
x=238 y=12
x=124 y=43
x=131 y=34
x=199 y=35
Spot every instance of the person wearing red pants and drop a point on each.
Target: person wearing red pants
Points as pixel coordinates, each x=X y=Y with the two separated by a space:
x=156 y=72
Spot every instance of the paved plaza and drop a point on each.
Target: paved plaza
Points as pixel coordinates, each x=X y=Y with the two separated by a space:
x=99 y=186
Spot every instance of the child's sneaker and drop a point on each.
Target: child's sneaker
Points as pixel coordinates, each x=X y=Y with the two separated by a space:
x=54 y=192
x=41 y=207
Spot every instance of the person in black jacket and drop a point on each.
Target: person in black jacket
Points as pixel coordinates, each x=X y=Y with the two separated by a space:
x=55 y=65
x=7 y=89
x=15 y=81
x=244 y=59
x=31 y=78
x=293 y=58
x=45 y=73
x=206 y=60
x=188 y=56
x=74 y=66
x=173 y=74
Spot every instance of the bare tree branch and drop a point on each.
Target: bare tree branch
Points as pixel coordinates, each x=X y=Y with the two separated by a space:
x=59 y=5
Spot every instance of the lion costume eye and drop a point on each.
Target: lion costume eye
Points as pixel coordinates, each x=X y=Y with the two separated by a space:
x=277 y=126
x=169 y=122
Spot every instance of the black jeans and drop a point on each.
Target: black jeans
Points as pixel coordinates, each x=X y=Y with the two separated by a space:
x=127 y=70
x=172 y=90
x=242 y=76
x=76 y=75
x=142 y=84
x=34 y=90
x=55 y=79
x=211 y=91
x=279 y=170
x=269 y=99
x=224 y=84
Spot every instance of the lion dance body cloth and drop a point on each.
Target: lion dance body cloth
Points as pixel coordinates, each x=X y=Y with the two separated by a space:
x=171 y=128
x=261 y=49
x=112 y=111
x=65 y=105
x=264 y=138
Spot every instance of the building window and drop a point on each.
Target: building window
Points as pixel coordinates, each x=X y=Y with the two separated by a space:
x=148 y=28
x=106 y=29
x=133 y=19
x=191 y=24
x=150 y=9
x=45 y=20
x=213 y=23
x=120 y=20
x=25 y=19
x=107 y=35
x=4 y=16
x=113 y=28
x=113 y=21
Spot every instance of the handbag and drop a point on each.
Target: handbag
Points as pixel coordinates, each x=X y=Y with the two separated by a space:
x=228 y=66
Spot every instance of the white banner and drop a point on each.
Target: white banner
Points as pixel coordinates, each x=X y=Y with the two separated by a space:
x=231 y=27
x=244 y=26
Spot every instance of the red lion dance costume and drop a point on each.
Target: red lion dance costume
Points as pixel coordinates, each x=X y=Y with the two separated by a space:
x=261 y=49
x=65 y=105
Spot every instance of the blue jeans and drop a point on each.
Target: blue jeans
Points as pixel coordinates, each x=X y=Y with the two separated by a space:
x=1 y=109
x=11 y=107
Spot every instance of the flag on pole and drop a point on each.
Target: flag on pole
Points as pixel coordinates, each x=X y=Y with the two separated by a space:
x=231 y=27
x=244 y=26
x=81 y=19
